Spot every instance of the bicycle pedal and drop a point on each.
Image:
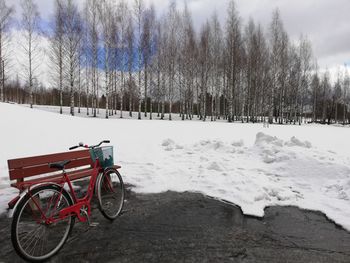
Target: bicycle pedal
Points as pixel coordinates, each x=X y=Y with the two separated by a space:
x=93 y=224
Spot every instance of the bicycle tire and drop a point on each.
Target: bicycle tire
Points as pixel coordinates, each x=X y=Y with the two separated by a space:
x=108 y=181
x=26 y=208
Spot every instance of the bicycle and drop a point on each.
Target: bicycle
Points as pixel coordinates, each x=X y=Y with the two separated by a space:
x=44 y=217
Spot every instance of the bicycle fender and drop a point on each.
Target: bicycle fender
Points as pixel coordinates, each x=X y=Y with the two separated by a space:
x=21 y=196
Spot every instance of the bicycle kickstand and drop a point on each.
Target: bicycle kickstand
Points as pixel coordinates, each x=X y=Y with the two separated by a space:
x=91 y=224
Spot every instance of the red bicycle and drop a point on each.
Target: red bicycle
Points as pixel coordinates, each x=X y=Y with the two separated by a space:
x=45 y=216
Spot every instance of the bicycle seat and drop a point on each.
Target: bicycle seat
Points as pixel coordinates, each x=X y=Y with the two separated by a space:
x=59 y=165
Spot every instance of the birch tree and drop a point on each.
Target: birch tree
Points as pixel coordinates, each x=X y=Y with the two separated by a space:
x=107 y=16
x=337 y=94
x=306 y=67
x=122 y=16
x=346 y=94
x=73 y=35
x=233 y=46
x=326 y=92
x=130 y=61
x=205 y=67
x=216 y=54
x=171 y=52
x=160 y=67
x=92 y=49
x=138 y=15
x=147 y=48
x=6 y=13
x=57 y=49
x=315 y=88
x=190 y=55
x=30 y=25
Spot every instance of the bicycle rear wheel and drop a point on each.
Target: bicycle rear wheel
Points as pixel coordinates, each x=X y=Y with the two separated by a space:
x=32 y=237
x=110 y=193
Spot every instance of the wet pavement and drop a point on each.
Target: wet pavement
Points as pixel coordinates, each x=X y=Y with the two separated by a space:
x=190 y=227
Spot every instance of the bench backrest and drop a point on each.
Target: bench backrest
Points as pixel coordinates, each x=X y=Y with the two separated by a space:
x=32 y=166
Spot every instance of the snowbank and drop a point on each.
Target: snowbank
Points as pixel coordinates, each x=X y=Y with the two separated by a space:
x=251 y=166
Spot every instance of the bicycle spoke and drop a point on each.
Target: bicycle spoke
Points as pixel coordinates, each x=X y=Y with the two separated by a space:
x=37 y=238
x=26 y=244
x=44 y=241
x=29 y=234
x=41 y=241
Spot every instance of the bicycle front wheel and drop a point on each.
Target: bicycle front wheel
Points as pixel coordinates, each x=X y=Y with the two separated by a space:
x=34 y=237
x=110 y=194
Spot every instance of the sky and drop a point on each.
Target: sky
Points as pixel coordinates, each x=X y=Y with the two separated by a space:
x=325 y=22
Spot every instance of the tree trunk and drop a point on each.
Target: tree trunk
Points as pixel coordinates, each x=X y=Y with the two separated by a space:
x=146 y=82
x=2 y=78
x=122 y=95
x=79 y=91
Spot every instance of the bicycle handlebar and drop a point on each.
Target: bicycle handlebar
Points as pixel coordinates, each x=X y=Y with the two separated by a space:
x=72 y=148
x=89 y=147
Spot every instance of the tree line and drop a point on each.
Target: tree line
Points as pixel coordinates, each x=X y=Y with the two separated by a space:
x=121 y=56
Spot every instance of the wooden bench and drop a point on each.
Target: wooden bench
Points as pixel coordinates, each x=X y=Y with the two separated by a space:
x=33 y=170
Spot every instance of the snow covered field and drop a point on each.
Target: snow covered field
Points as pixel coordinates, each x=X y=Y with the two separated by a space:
x=254 y=167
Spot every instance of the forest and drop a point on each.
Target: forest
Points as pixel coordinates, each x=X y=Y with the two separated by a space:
x=124 y=57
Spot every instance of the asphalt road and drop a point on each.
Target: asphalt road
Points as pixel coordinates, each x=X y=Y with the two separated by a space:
x=189 y=227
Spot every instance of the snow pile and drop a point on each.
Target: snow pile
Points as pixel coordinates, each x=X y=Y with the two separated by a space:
x=270 y=172
x=245 y=164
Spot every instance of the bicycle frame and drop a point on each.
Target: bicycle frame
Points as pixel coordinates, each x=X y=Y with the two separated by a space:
x=79 y=203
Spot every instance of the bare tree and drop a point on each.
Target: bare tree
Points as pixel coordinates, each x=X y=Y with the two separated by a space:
x=306 y=67
x=30 y=25
x=326 y=87
x=346 y=93
x=216 y=55
x=92 y=49
x=205 y=67
x=147 y=47
x=5 y=17
x=189 y=54
x=159 y=65
x=337 y=94
x=279 y=59
x=233 y=45
x=130 y=55
x=148 y=44
x=122 y=16
x=107 y=15
x=73 y=36
x=138 y=15
x=57 y=49
x=171 y=51
x=86 y=56
x=315 y=88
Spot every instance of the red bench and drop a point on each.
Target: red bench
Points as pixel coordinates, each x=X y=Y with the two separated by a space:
x=34 y=170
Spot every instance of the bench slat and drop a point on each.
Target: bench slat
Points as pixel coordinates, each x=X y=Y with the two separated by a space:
x=44 y=159
x=44 y=168
x=54 y=178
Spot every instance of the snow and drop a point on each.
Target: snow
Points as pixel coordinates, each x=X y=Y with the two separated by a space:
x=306 y=166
